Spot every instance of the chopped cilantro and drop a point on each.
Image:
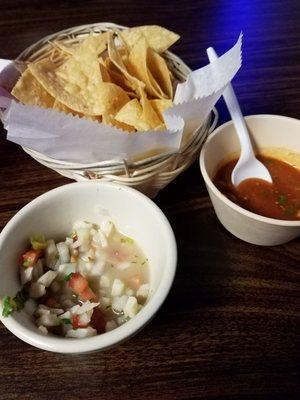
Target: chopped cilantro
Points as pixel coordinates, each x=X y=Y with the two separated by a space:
x=38 y=242
x=21 y=298
x=17 y=303
x=127 y=239
x=281 y=199
x=68 y=277
x=8 y=306
x=290 y=210
x=26 y=263
x=66 y=321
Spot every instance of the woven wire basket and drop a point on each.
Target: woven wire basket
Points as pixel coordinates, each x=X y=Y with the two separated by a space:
x=149 y=175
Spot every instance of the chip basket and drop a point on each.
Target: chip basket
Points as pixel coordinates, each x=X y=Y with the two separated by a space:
x=149 y=175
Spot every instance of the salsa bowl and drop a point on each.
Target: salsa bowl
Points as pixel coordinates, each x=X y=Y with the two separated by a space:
x=53 y=213
x=272 y=135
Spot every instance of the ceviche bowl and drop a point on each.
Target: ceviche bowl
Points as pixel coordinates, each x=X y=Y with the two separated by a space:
x=53 y=214
x=272 y=136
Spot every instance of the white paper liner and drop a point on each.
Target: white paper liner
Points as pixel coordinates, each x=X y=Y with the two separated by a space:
x=74 y=139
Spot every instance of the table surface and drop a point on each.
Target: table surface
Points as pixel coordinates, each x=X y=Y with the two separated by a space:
x=230 y=325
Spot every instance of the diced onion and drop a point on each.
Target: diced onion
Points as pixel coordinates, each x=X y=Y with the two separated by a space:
x=100 y=239
x=42 y=310
x=81 y=333
x=118 y=303
x=36 y=290
x=66 y=315
x=26 y=274
x=63 y=252
x=117 y=287
x=97 y=268
x=43 y=329
x=131 y=307
x=51 y=254
x=107 y=227
x=104 y=281
x=105 y=302
x=48 y=320
x=87 y=306
x=66 y=269
x=143 y=291
x=47 y=278
x=84 y=319
x=110 y=325
x=38 y=270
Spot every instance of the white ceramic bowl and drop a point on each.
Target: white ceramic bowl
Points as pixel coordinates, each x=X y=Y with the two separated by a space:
x=53 y=214
x=271 y=135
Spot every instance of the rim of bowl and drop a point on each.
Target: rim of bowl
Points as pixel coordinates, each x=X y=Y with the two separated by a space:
x=123 y=332
x=217 y=192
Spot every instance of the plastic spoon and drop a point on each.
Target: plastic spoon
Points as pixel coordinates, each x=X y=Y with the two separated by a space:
x=248 y=166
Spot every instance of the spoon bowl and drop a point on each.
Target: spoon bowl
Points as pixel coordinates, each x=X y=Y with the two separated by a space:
x=247 y=168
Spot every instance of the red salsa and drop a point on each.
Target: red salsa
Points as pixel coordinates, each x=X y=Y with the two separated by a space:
x=280 y=199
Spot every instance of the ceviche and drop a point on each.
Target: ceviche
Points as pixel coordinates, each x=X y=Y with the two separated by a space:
x=90 y=283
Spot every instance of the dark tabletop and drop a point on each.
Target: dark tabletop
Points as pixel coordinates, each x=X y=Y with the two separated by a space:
x=230 y=326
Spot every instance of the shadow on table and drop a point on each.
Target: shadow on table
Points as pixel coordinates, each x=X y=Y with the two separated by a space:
x=203 y=261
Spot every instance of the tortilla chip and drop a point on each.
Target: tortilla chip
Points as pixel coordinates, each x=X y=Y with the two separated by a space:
x=62 y=108
x=131 y=114
x=118 y=78
x=81 y=68
x=116 y=58
x=104 y=72
x=108 y=120
x=159 y=39
x=84 y=96
x=139 y=66
x=95 y=43
x=28 y=90
x=140 y=115
x=160 y=105
x=148 y=114
x=160 y=72
x=58 y=106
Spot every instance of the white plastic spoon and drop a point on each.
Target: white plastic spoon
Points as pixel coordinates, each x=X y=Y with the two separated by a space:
x=248 y=166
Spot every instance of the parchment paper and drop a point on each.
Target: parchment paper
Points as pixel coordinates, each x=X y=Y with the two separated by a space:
x=74 y=139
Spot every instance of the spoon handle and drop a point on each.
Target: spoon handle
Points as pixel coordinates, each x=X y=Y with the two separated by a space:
x=235 y=113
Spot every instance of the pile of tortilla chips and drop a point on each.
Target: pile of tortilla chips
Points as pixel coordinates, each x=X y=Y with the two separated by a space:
x=117 y=78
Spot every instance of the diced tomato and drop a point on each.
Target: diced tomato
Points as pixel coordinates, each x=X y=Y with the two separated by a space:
x=31 y=257
x=87 y=294
x=98 y=320
x=51 y=302
x=135 y=282
x=76 y=322
x=78 y=283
